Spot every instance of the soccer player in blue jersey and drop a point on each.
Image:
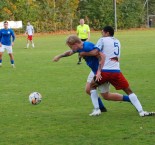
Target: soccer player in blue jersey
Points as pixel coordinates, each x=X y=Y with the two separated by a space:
x=95 y=62
x=71 y=52
x=7 y=38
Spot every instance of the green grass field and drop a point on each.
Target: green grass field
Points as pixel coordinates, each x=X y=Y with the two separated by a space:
x=62 y=117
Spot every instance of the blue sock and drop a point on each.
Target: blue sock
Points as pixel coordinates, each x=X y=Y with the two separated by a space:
x=126 y=98
x=101 y=105
x=12 y=61
x=0 y=60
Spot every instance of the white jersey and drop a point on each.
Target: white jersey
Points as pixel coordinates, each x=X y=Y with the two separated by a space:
x=110 y=46
x=29 y=30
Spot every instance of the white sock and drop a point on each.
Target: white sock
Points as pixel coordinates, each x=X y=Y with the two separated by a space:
x=94 y=98
x=27 y=45
x=134 y=100
x=32 y=44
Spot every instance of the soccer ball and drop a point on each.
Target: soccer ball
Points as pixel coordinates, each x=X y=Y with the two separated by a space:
x=35 y=98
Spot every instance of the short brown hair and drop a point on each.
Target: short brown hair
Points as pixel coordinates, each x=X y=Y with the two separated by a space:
x=72 y=39
x=5 y=22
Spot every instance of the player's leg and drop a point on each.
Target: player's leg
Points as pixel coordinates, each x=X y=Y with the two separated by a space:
x=101 y=105
x=32 y=43
x=107 y=95
x=115 y=97
x=10 y=52
x=94 y=98
x=1 y=54
x=27 y=45
x=12 y=60
x=134 y=100
x=31 y=40
x=120 y=82
x=87 y=89
x=79 y=59
x=28 y=39
x=93 y=86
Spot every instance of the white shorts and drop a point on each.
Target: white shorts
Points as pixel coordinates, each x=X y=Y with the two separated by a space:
x=102 y=88
x=7 y=48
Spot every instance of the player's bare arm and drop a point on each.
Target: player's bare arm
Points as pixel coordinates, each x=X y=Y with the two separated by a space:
x=65 y=54
x=101 y=58
x=94 y=84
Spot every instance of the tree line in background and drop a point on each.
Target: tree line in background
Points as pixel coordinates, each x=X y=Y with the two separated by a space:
x=55 y=15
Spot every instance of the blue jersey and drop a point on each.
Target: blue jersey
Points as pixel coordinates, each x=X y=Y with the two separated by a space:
x=5 y=36
x=92 y=61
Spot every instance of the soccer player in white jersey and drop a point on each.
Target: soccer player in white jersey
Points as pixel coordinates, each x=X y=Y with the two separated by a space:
x=111 y=73
x=30 y=32
x=7 y=38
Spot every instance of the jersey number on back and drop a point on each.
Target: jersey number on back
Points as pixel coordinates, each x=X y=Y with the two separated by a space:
x=116 y=52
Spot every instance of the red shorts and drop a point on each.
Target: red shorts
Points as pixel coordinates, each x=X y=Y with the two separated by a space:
x=29 y=37
x=115 y=78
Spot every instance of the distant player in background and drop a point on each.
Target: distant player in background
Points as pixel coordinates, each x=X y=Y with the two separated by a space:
x=30 y=32
x=7 y=38
x=150 y=23
x=83 y=32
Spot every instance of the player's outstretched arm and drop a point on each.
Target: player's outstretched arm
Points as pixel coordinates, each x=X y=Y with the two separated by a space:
x=65 y=54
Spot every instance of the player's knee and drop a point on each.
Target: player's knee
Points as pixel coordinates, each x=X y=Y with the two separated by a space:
x=128 y=91
x=93 y=85
x=105 y=96
x=87 y=90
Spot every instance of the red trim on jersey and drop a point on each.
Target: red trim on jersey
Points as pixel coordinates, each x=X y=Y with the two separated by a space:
x=115 y=78
x=29 y=37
